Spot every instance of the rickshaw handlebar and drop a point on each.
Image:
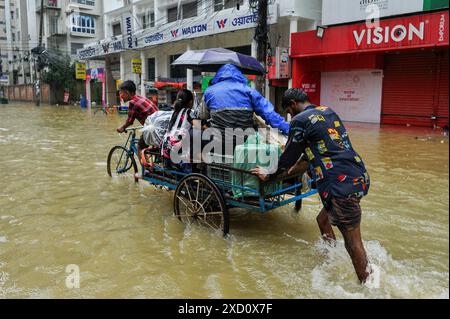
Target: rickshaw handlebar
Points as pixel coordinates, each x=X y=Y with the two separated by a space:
x=133 y=129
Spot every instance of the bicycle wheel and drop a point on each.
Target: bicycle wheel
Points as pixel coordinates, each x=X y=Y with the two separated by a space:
x=121 y=162
x=199 y=201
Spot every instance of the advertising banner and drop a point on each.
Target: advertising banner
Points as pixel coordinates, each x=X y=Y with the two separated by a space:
x=282 y=63
x=97 y=74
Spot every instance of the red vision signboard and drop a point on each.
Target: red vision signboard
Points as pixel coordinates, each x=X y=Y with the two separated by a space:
x=424 y=30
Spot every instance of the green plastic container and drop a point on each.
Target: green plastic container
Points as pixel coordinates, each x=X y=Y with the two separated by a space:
x=248 y=156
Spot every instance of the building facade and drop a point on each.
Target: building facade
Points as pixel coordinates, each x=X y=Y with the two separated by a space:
x=70 y=24
x=382 y=62
x=14 y=46
x=67 y=26
x=156 y=32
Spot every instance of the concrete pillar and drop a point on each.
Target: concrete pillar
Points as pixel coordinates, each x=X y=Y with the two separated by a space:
x=267 y=90
x=107 y=31
x=22 y=68
x=7 y=67
x=159 y=13
x=122 y=66
x=156 y=56
x=30 y=60
x=111 y=87
x=136 y=22
x=293 y=29
x=163 y=65
x=189 y=73
x=144 y=72
x=206 y=7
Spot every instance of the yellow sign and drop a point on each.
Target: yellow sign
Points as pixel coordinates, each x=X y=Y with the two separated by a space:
x=137 y=66
x=118 y=83
x=80 y=71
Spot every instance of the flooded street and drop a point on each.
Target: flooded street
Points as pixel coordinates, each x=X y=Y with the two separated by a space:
x=58 y=207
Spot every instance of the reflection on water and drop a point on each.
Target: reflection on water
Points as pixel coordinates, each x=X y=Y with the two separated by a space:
x=58 y=208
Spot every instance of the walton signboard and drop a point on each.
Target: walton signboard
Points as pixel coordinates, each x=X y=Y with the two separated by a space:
x=199 y=27
x=192 y=28
x=130 y=41
x=344 y=11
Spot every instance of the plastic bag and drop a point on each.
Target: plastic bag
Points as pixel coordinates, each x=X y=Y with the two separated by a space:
x=173 y=140
x=156 y=127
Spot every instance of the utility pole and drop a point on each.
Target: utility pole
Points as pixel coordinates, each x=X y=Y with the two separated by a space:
x=38 y=75
x=261 y=37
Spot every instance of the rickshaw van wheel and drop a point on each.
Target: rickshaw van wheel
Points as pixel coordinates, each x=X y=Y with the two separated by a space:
x=199 y=201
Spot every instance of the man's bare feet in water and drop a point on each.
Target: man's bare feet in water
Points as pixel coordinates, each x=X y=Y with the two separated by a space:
x=325 y=228
x=373 y=281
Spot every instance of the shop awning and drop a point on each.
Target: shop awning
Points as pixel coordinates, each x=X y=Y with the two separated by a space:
x=174 y=85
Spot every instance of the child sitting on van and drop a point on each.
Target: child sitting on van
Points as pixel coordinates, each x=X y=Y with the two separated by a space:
x=180 y=129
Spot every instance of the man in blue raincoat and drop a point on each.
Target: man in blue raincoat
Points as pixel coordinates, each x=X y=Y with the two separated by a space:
x=231 y=103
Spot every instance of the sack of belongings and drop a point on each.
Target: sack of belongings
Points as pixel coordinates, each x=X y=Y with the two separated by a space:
x=156 y=127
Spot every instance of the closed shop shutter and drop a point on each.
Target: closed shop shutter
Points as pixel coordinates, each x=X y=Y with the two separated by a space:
x=443 y=90
x=411 y=89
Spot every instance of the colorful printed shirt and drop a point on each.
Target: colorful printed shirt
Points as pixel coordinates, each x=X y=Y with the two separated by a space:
x=319 y=133
x=140 y=109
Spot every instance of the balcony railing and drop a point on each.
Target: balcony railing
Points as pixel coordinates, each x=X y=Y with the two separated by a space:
x=57 y=32
x=48 y=4
x=85 y=2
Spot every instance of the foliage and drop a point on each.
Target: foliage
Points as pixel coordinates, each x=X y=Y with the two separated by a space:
x=60 y=73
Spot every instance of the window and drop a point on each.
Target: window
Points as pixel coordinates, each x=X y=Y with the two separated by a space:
x=151 y=69
x=172 y=14
x=189 y=10
x=53 y=25
x=117 y=30
x=226 y=4
x=74 y=47
x=12 y=15
x=13 y=37
x=232 y=3
x=83 y=24
x=148 y=20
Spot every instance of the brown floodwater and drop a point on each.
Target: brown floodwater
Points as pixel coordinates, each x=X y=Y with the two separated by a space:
x=58 y=207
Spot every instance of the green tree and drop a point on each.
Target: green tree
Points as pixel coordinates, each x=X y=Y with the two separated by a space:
x=60 y=75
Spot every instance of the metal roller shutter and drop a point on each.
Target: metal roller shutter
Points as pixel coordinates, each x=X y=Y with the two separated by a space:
x=409 y=88
x=442 y=109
